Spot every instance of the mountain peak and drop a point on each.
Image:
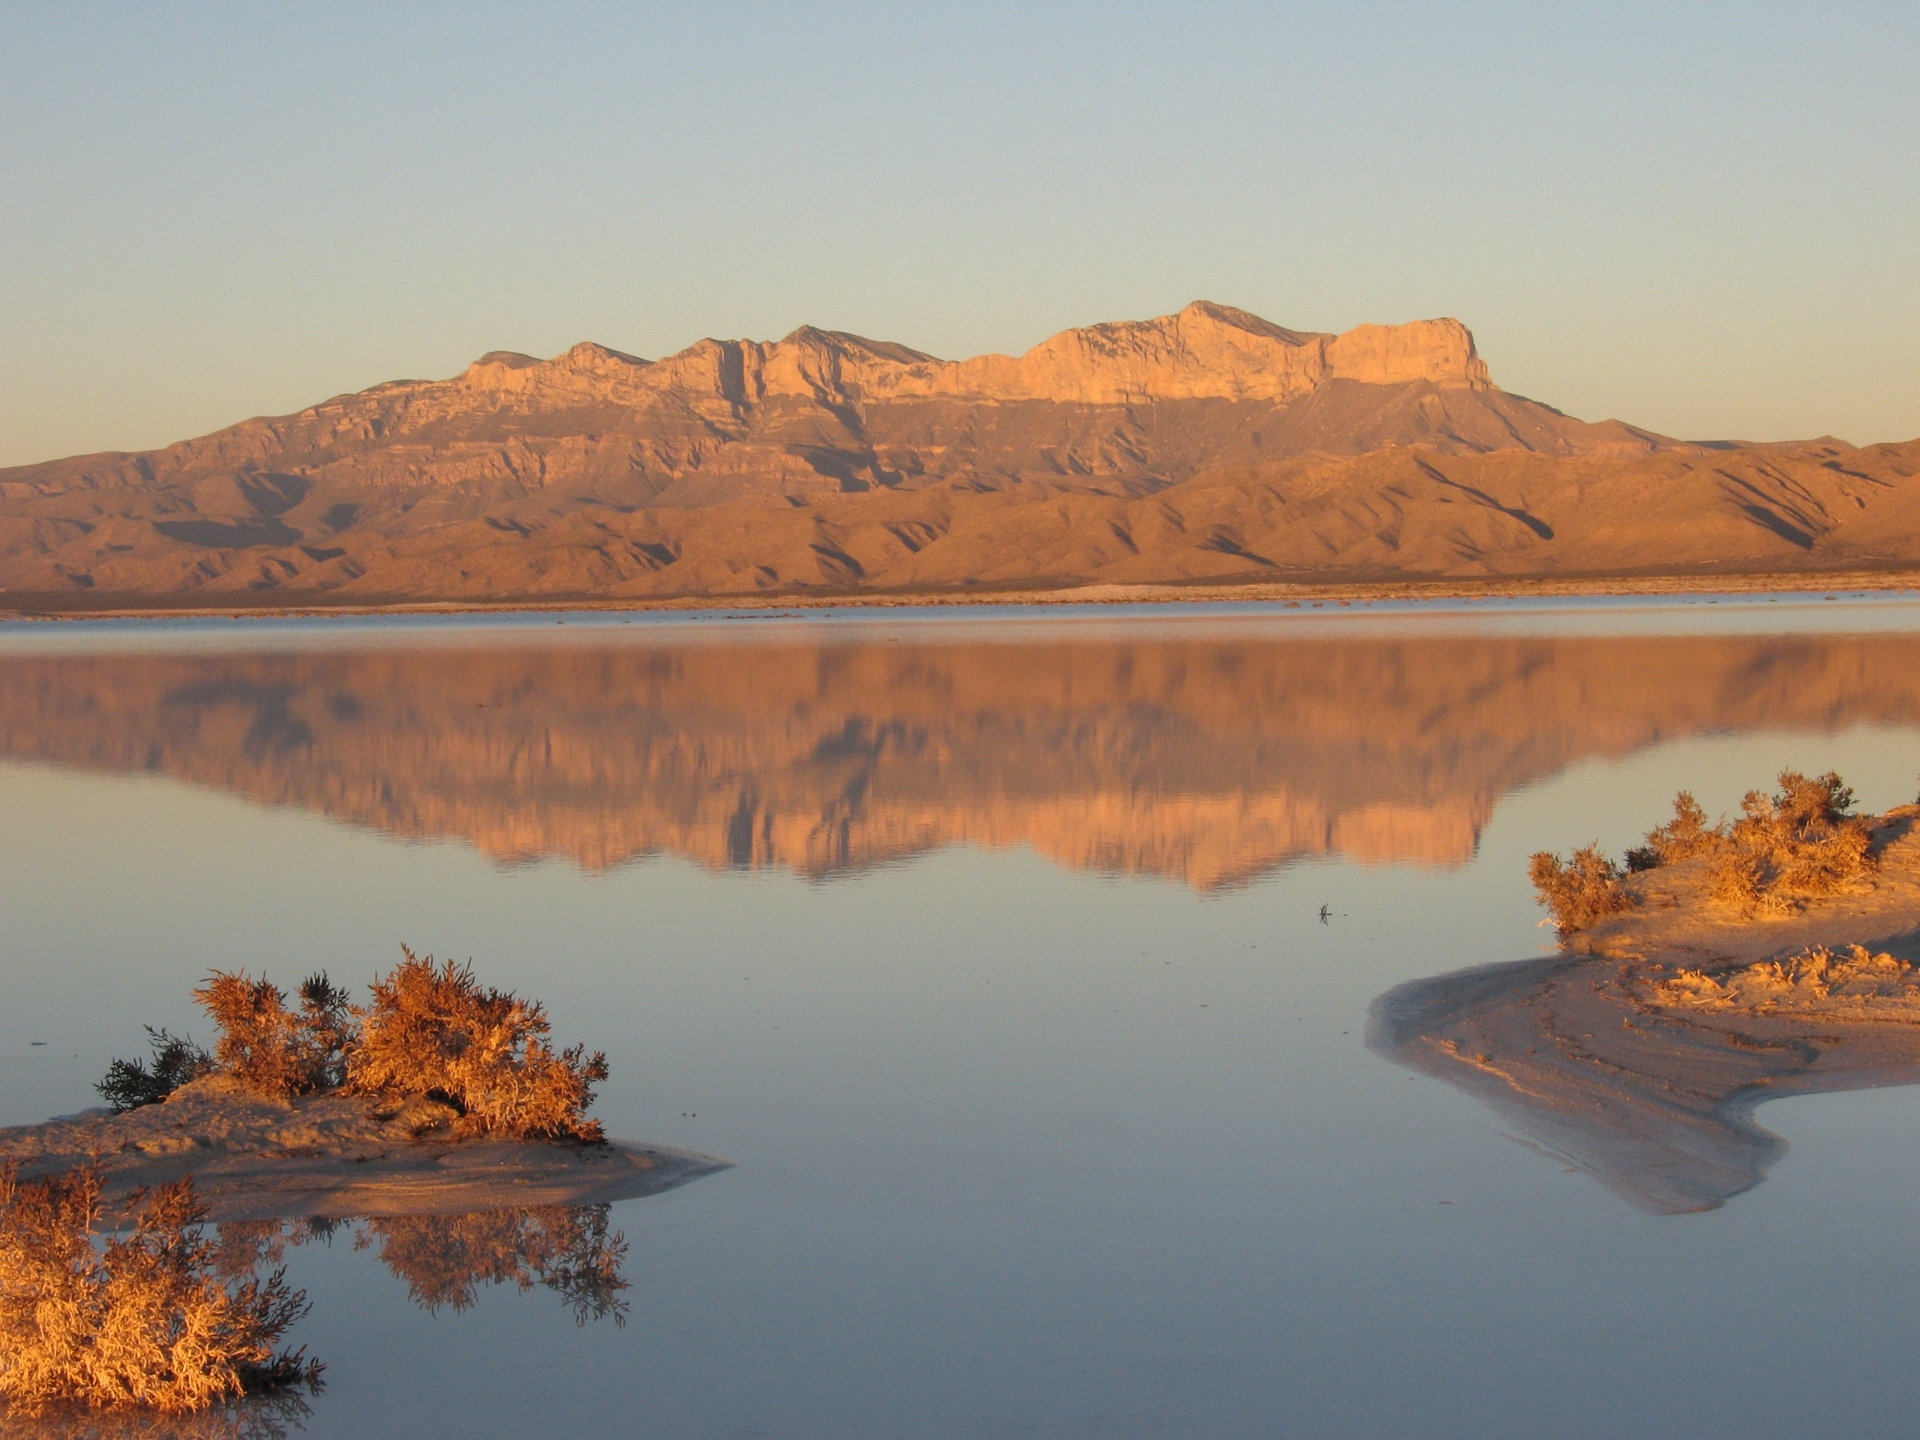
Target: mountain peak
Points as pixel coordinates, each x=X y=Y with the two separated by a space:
x=1202 y=311
x=589 y=356
x=1439 y=351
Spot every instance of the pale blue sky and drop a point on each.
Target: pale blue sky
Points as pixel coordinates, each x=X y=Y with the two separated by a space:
x=1705 y=219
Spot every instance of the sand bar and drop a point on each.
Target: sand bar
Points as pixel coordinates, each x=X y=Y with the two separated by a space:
x=337 y=1156
x=1640 y=1054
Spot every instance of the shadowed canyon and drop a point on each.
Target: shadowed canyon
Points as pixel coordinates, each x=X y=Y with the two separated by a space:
x=1209 y=446
x=1206 y=761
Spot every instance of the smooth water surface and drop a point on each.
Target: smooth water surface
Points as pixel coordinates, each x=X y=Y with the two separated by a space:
x=991 y=952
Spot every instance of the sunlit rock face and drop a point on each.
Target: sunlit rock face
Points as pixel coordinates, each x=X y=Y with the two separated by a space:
x=1205 y=761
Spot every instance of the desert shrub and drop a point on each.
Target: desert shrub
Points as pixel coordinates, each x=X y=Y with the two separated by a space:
x=1578 y=891
x=140 y=1320
x=1801 y=842
x=1681 y=838
x=1797 y=844
x=1736 y=878
x=434 y=1030
x=130 y=1084
x=273 y=1050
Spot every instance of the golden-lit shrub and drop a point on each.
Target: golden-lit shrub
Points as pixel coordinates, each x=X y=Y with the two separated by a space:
x=434 y=1030
x=1579 y=891
x=143 y=1319
x=273 y=1050
x=1802 y=842
x=1798 y=844
x=430 y=1031
x=1681 y=838
x=1736 y=878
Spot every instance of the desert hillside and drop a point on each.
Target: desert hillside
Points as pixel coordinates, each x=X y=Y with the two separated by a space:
x=1209 y=445
x=1206 y=763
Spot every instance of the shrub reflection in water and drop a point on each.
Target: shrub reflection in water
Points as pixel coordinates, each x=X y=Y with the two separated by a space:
x=446 y=1260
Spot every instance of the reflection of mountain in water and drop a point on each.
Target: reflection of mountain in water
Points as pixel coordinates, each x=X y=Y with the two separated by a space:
x=1206 y=759
x=1655 y=1104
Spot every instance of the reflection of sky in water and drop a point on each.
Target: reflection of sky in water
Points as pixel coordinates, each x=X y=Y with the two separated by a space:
x=1020 y=1149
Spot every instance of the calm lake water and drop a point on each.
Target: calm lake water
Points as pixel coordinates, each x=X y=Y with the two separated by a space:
x=1022 y=968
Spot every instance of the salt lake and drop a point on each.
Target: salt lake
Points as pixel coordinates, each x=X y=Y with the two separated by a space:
x=1021 y=965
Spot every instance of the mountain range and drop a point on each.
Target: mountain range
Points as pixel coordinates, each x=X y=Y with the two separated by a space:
x=1206 y=446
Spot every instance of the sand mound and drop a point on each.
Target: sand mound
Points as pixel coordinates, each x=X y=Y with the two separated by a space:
x=337 y=1156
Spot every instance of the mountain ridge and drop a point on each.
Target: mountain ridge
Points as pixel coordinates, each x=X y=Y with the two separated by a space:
x=1237 y=448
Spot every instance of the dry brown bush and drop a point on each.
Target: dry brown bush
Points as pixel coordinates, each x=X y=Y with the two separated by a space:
x=143 y=1319
x=1681 y=838
x=1800 y=842
x=273 y=1050
x=434 y=1030
x=1736 y=878
x=1578 y=891
x=429 y=1031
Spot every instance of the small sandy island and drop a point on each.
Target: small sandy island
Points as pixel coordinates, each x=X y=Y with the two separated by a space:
x=336 y=1155
x=1639 y=1054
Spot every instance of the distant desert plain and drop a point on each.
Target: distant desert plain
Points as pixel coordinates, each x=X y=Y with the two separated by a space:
x=1204 y=454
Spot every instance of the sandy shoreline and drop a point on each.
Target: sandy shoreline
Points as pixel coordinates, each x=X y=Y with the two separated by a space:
x=1639 y=1054
x=244 y=604
x=335 y=1156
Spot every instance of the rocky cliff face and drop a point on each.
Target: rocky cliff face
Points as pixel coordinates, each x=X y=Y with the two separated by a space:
x=1209 y=444
x=1205 y=352
x=1205 y=762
